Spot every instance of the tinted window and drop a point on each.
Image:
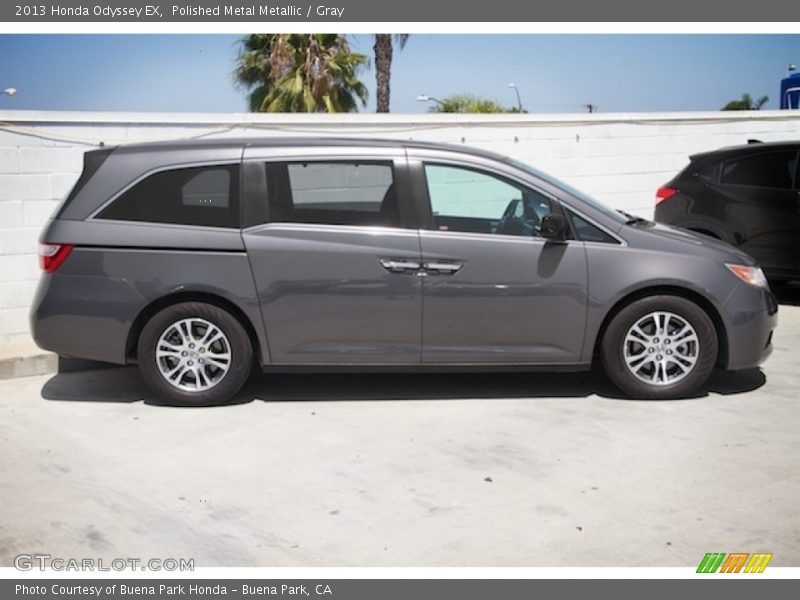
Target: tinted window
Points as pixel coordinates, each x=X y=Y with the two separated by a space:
x=474 y=201
x=333 y=193
x=587 y=232
x=773 y=170
x=205 y=196
x=704 y=170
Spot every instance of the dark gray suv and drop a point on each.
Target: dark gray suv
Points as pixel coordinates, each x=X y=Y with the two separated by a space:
x=196 y=259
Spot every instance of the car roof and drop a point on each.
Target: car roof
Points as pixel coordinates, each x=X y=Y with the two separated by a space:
x=289 y=142
x=753 y=147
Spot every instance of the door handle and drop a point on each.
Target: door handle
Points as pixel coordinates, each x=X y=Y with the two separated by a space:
x=443 y=267
x=398 y=266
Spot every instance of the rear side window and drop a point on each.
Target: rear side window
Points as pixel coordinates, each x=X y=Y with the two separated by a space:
x=205 y=196
x=769 y=169
x=703 y=170
x=332 y=193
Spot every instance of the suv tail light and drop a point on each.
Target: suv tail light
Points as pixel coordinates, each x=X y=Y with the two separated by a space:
x=52 y=255
x=663 y=193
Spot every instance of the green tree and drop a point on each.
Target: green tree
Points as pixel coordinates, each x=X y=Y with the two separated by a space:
x=383 y=66
x=300 y=72
x=746 y=103
x=467 y=103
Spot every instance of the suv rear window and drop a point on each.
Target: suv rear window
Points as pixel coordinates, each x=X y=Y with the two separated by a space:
x=204 y=196
x=769 y=169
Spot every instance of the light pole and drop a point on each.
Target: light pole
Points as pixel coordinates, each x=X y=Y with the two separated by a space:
x=790 y=69
x=519 y=100
x=426 y=98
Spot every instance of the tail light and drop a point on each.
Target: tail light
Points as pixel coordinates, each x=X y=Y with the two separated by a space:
x=52 y=255
x=663 y=193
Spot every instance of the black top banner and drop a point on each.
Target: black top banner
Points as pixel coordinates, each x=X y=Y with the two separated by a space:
x=442 y=11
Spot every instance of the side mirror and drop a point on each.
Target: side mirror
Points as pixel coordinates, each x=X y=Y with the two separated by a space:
x=554 y=227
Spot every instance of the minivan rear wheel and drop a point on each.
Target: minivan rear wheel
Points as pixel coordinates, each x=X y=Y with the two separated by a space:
x=660 y=347
x=194 y=354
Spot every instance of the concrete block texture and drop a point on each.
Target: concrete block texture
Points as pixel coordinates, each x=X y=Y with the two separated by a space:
x=23 y=187
x=50 y=160
x=13 y=320
x=19 y=241
x=18 y=267
x=11 y=214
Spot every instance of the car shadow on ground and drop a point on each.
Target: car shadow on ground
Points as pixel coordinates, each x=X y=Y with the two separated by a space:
x=124 y=384
x=787 y=293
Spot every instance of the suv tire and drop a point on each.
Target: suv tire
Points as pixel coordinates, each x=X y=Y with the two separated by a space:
x=194 y=354
x=660 y=347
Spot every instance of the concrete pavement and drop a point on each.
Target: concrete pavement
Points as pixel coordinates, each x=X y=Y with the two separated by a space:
x=406 y=470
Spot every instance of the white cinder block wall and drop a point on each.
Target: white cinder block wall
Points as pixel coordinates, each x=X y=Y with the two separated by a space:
x=619 y=158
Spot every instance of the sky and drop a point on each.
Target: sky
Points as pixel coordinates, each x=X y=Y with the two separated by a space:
x=553 y=73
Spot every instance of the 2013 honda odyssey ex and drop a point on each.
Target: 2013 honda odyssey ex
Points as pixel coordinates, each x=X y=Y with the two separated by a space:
x=196 y=259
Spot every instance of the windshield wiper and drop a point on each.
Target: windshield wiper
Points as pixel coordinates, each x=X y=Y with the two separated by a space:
x=632 y=219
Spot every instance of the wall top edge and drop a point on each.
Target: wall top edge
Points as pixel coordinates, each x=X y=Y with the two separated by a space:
x=371 y=119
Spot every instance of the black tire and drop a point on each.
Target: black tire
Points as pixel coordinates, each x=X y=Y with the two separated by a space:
x=216 y=386
x=675 y=378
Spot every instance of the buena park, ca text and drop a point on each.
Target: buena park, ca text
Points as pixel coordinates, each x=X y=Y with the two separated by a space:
x=178 y=590
x=153 y=11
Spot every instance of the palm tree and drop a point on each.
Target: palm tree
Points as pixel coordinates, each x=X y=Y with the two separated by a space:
x=746 y=103
x=467 y=103
x=300 y=73
x=253 y=68
x=383 y=66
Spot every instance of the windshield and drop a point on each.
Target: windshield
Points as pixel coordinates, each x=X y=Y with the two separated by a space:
x=582 y=196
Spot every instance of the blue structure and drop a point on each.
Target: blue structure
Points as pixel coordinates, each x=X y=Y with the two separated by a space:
x=790 y=91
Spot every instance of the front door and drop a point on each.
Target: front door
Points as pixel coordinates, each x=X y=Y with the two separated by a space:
x=494 y=290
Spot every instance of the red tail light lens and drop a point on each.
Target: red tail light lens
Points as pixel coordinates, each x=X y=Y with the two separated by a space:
x=52 y=255
x=664 y=192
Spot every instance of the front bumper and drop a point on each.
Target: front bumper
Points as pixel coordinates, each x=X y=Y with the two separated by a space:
x=751 y=317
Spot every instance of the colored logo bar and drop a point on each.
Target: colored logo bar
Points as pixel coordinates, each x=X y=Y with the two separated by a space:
x=735 y=562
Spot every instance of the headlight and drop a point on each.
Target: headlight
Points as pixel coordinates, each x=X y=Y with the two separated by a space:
x=751 y=275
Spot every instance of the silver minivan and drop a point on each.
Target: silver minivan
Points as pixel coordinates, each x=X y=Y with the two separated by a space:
x=197 y=259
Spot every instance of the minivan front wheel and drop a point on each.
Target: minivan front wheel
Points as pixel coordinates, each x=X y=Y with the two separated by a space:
x=660 y=347
x=194 y=354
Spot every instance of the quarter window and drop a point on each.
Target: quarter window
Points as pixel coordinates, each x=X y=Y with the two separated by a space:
x=467 y=200
x=205 y=196
x=586 y=232
x=772 y=170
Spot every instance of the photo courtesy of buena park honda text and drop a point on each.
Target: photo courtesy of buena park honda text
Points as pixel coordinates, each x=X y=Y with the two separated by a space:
x=359 y=300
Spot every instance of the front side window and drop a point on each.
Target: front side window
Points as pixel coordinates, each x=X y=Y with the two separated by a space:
x=205 y=196
x=466 y=200
x=769 y=169
x=332 y=193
